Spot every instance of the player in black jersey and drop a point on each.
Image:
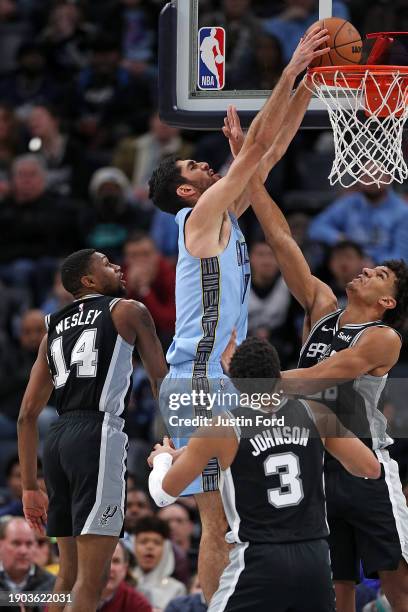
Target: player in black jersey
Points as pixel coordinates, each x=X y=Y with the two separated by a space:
x=86 y=359
x=272 y=492
x=368 y=521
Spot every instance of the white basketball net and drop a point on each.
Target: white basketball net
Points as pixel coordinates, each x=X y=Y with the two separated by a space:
x=368 y=147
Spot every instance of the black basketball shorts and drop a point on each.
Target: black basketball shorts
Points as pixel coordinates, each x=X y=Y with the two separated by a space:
x=368 y=521
x=85 y=474
x=291 y=577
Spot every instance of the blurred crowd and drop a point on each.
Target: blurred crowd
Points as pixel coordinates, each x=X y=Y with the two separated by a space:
x=79 y=138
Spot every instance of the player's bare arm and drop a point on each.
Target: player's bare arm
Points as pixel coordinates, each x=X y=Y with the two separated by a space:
x=36 y=396
x=355 y=456
x=375 y=353
x=203 y=226
x=135 y=324
x=173 y=476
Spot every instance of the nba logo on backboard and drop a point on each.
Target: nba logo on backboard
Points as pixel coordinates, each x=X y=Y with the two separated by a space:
x=211 y=58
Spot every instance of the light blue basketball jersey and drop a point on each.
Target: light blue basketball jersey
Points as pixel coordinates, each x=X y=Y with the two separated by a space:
x=211 y=299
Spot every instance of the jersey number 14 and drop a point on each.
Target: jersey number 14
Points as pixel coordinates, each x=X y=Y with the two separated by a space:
x=84 y=355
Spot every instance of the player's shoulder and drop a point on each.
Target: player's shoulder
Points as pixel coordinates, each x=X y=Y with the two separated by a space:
x=381 y=333
x=129 y=306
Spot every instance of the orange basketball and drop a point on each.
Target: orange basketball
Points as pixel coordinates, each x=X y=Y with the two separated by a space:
x=345 y=43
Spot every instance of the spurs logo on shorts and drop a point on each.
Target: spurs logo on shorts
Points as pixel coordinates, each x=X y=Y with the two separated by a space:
x=110 y=511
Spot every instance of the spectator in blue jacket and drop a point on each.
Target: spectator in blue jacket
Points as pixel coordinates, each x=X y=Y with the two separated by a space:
x=374 y=218
x=291 y=24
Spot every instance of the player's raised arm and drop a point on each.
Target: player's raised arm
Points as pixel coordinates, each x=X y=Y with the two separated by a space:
x=36 y=396
x=264 y=129
x=375 y=353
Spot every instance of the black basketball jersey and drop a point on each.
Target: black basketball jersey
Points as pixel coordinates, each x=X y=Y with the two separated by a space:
x=356 y=402
x=91 y=364
x=273 y=492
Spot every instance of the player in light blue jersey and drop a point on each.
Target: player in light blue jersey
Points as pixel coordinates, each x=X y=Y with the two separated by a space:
x=212 y=283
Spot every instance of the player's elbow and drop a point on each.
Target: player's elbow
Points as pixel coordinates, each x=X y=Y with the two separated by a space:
x=370 y=468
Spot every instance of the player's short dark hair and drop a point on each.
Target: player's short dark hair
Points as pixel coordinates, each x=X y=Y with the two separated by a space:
x=73 y=269
x=152 y=523
x=344 y=245
x=397 y=316
x=163 y=184
x=255 y=359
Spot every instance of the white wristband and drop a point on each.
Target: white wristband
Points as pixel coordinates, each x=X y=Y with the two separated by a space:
x=161 y=465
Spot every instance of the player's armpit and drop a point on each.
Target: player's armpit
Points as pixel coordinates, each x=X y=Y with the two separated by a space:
x=217 y=199
x=355 y=456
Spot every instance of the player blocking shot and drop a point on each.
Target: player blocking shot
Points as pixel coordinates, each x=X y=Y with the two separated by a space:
x=86 y=360
x=212 y=283
x=271 y=488
x=346 y=357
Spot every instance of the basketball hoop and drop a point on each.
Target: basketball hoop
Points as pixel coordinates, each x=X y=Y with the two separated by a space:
x=367 y=107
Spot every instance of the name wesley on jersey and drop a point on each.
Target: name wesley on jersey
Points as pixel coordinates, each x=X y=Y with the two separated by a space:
x=79 y=318
x=277 y=436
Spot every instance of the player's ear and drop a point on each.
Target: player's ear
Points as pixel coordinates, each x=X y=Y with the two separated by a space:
x=186 y=191
x=388 y=302
x=87 y=281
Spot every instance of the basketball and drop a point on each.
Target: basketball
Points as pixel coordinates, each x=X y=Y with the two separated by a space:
x=345 y=43
x=219 y=59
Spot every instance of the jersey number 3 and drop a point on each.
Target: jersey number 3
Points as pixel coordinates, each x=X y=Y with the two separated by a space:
x=290 y=491
x=84 y=355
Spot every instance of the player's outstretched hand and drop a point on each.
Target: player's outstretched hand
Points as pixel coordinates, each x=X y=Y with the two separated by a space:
x=166 y=447
x=233 y=131
x=35 y=506
x=311 y=46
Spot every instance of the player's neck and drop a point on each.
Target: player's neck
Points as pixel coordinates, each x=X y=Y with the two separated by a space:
x=355 y=313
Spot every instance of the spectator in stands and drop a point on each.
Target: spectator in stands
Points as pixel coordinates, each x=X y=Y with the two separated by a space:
x=152 y=280
x=31 y=83
x=376 y=218
x=194 y=602
x=119 y=594
x=138 y=157
x=15 y=368
x=18 y=571
x=108 y=100
x=346 y=261
x=11 y=504
x=63 y=155
x=181 y=531
x=291 y=24
x=58 y=297
x=137 y=506
x=241 y=29
x=66 y=39
x=181 y=526
x=263 y=69
x=131 y=23
x=269 y=298
x=13 y=31
x=11 y=144
x=35 y=228
x=44 y=555
x=113 y=215
x=155 y=562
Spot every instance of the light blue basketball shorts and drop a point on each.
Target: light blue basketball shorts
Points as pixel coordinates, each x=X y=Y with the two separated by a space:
x=185 y=400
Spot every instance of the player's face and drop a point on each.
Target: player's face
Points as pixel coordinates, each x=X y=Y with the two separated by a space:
x=374 y=285
x=107 y=277
x=198 y=173
x=148 y=550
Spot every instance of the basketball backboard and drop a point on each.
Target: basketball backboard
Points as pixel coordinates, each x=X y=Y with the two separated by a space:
x=192 y=91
